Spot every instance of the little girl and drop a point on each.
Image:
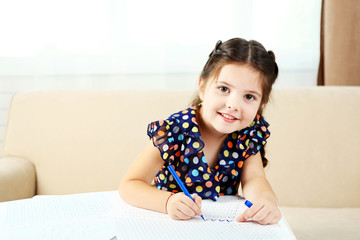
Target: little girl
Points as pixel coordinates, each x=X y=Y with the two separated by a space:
x=215 y=144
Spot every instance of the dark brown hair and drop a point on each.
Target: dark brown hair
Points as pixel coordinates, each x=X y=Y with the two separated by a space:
x=250 y=53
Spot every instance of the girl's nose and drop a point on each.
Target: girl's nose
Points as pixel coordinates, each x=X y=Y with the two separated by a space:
x=233 y=105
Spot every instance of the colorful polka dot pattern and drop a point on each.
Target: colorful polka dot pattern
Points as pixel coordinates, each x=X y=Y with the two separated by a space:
x=179 y=142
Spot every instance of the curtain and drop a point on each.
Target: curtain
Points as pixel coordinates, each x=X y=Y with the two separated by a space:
x=340 y=43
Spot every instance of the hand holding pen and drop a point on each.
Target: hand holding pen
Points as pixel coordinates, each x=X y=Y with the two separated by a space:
x=183 y=206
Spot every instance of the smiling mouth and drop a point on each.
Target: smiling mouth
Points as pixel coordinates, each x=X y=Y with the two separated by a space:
x=227 y=116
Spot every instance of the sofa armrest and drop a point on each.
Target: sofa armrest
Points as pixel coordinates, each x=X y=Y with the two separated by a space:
x=17 y=179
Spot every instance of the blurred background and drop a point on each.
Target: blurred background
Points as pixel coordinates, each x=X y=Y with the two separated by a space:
x=139 y=44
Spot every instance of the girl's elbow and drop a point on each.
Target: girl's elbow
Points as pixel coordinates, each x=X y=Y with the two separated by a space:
x=123 y=188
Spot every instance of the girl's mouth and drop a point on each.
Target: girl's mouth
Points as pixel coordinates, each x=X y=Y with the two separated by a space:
x=228 y=118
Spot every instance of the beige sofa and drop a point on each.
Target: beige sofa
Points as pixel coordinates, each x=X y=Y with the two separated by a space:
x=62 y=142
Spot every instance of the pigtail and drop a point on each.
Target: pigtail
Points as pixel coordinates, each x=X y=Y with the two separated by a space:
x=264 y=160
x=276 y=69
x=272 y=55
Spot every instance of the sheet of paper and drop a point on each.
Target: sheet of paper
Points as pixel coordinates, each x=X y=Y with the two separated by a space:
x=47 y=208
x=226 y=208
x=219 y=216
x=66 y=229
x=104 y=215
x=128 y=228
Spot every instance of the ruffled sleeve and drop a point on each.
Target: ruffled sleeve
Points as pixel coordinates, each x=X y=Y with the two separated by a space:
x=176 y=137
x=163 y=134
x=253 y=138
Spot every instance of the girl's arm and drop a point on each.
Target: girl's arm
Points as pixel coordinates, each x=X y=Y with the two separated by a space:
x=135 y=188
x=257 y=189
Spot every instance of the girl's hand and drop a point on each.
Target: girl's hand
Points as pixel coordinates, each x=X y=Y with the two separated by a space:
x=181 y=207
x=262 y=211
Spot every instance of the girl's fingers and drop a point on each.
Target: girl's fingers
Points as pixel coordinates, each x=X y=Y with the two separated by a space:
x=266 y=219
x=275 y=220
x=194 y=206
x=197 y=199
x=181 y=216
x=181 y=206
x=187 y=208
x=249 y=213
x=261 y=215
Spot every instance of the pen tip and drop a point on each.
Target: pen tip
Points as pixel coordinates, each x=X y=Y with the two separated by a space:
x=202 y=217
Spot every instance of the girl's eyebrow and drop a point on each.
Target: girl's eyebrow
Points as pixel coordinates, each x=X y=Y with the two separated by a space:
x=249 y=91
x=255 y=93
x=225 y=83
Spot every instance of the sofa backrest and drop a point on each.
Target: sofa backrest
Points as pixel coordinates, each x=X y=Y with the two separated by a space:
x=81 y=141
x=314 y=149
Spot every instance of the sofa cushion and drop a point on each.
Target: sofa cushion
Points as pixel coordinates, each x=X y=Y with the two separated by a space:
x=314 y=146
x=17 y=178
x=83 y=141
x=323 y=223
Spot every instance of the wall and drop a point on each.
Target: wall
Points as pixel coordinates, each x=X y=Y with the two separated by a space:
x=161 y=44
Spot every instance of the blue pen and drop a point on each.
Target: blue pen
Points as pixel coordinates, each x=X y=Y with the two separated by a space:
x=248 y=203
x=181 y=184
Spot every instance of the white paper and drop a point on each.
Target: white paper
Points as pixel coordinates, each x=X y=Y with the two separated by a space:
x=104 y=215
x=219 y=223
x=47 y=208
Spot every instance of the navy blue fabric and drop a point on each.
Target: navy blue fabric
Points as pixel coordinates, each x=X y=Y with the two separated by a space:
x=179 y=141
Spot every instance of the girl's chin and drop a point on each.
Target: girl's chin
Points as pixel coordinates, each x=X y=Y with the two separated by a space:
x=225 y=130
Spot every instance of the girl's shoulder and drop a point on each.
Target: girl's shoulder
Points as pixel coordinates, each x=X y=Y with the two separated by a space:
x=176 y=133
x=185 y=115
x=183 y=122
x=255 y=136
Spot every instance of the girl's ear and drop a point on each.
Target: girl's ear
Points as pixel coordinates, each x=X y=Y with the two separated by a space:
x=201 y=88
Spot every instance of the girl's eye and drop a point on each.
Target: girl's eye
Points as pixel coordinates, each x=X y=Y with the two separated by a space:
x=249 y=97
x=224 y=89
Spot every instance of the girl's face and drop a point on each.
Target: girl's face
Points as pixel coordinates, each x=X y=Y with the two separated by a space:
x=230 y=102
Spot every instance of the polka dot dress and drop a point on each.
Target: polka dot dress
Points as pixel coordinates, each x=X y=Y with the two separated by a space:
x=179 y=142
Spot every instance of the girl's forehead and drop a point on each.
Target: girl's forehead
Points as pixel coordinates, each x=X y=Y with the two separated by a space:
x=238 y=68
x=239 y=73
